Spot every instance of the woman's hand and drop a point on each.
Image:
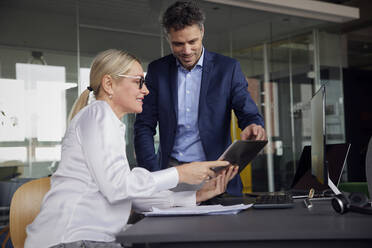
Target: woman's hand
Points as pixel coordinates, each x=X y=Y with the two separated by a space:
x=217 y=185
x=197 y=172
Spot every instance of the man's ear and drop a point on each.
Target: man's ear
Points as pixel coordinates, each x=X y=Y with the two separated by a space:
x=202 y=31
x=106 y=84
x=167 y=37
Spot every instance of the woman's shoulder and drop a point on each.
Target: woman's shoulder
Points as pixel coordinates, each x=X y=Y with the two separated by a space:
x=95 y=111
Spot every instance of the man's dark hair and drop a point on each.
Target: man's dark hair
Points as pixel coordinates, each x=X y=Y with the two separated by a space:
x=182 y=14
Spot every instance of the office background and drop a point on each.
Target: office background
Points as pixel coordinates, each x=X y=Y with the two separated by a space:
x=46 y=47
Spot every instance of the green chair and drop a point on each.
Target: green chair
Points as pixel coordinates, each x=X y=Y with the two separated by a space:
x=362 y=187
x=354 y=187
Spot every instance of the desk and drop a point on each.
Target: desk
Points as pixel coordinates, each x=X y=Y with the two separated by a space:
x=319 y=226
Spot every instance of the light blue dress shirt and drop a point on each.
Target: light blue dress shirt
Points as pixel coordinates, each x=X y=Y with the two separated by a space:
x=187 y=145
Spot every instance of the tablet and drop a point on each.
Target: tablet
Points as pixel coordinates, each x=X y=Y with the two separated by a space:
x=241 y=152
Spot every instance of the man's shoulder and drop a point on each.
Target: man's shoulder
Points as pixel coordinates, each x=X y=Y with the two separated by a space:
x=219 y=58
x=166 y=60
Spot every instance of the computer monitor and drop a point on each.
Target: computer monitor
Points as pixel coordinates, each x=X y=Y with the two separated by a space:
x=336 y=155
x=319 y=161
x=318 y=137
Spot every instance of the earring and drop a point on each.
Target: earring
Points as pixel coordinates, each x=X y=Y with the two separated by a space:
x=110 y=96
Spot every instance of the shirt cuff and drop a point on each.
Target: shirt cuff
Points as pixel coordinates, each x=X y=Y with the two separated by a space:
x=166 y=179
x=184 y=199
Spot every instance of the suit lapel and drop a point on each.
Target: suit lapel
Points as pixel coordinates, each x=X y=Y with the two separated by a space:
x=173 y=83
x=205 y=81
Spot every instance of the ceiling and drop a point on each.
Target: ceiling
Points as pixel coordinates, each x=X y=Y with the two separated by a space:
x=138 y=22
x=134 y=25
x=358 y=34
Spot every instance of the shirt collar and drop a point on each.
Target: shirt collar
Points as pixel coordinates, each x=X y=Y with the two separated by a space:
x=112 y=113
x=198 y=64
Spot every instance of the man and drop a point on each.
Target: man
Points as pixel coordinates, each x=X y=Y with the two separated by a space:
x=192 y=93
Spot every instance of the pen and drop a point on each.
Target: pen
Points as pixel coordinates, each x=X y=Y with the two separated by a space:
x=307 y=201
x=311 y=193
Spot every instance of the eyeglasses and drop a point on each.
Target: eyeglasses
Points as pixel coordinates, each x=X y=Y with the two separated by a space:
x=141 y=79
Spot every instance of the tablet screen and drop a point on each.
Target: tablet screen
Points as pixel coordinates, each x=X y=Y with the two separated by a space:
x=241 y=152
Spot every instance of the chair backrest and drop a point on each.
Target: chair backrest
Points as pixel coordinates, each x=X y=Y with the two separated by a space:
x=24 y=207
x=369 y=167
x=7 y=190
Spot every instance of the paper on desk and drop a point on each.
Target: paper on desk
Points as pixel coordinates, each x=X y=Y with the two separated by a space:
x=198 y=210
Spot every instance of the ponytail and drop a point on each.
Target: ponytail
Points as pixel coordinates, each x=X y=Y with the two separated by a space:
x=80 y=103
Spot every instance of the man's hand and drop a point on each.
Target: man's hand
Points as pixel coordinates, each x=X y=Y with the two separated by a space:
x=217 y=185
x=197 y=172
x=253 y=132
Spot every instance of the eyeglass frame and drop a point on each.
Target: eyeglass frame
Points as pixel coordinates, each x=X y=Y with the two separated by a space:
x=142 y=79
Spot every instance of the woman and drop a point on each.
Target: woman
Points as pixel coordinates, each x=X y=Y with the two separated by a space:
x=93 y=189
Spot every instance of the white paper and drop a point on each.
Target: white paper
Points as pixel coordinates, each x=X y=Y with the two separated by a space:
x=198 y=210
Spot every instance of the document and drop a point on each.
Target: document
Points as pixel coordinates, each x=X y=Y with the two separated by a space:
x=198 y=210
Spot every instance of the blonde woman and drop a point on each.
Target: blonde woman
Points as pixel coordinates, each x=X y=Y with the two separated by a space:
x=93 y=189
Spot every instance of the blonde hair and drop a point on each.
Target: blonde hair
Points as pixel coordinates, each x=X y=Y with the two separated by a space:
x=110 y=62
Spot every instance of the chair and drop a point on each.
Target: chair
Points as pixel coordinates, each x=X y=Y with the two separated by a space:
x=7 y=190
x=369 y=167
x=8 y=172
x=24 y=207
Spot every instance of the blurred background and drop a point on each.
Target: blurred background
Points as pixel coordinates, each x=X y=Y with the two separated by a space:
x=47 y=46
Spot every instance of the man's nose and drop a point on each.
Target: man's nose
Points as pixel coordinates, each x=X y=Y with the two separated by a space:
x=187 y=49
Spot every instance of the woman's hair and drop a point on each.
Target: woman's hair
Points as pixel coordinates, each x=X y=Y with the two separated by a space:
x=110 y=62
x=182 y=14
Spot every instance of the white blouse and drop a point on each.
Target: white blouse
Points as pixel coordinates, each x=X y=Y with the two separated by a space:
x=93 y=188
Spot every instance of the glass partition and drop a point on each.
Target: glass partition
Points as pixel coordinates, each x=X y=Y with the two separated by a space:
x=46 y=51
x=37 y=72
x=137 y=32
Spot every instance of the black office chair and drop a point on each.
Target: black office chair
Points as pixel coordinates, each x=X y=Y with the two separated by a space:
x=8 y=172
x=7 y=190
x=357 y=202
x=369 y=167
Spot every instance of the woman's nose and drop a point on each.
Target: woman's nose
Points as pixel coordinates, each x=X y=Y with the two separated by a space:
x=145 y=90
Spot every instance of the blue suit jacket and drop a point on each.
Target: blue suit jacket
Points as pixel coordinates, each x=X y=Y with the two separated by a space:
x=223 y=88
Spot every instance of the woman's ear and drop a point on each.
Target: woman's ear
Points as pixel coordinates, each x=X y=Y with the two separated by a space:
x=106 y=84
